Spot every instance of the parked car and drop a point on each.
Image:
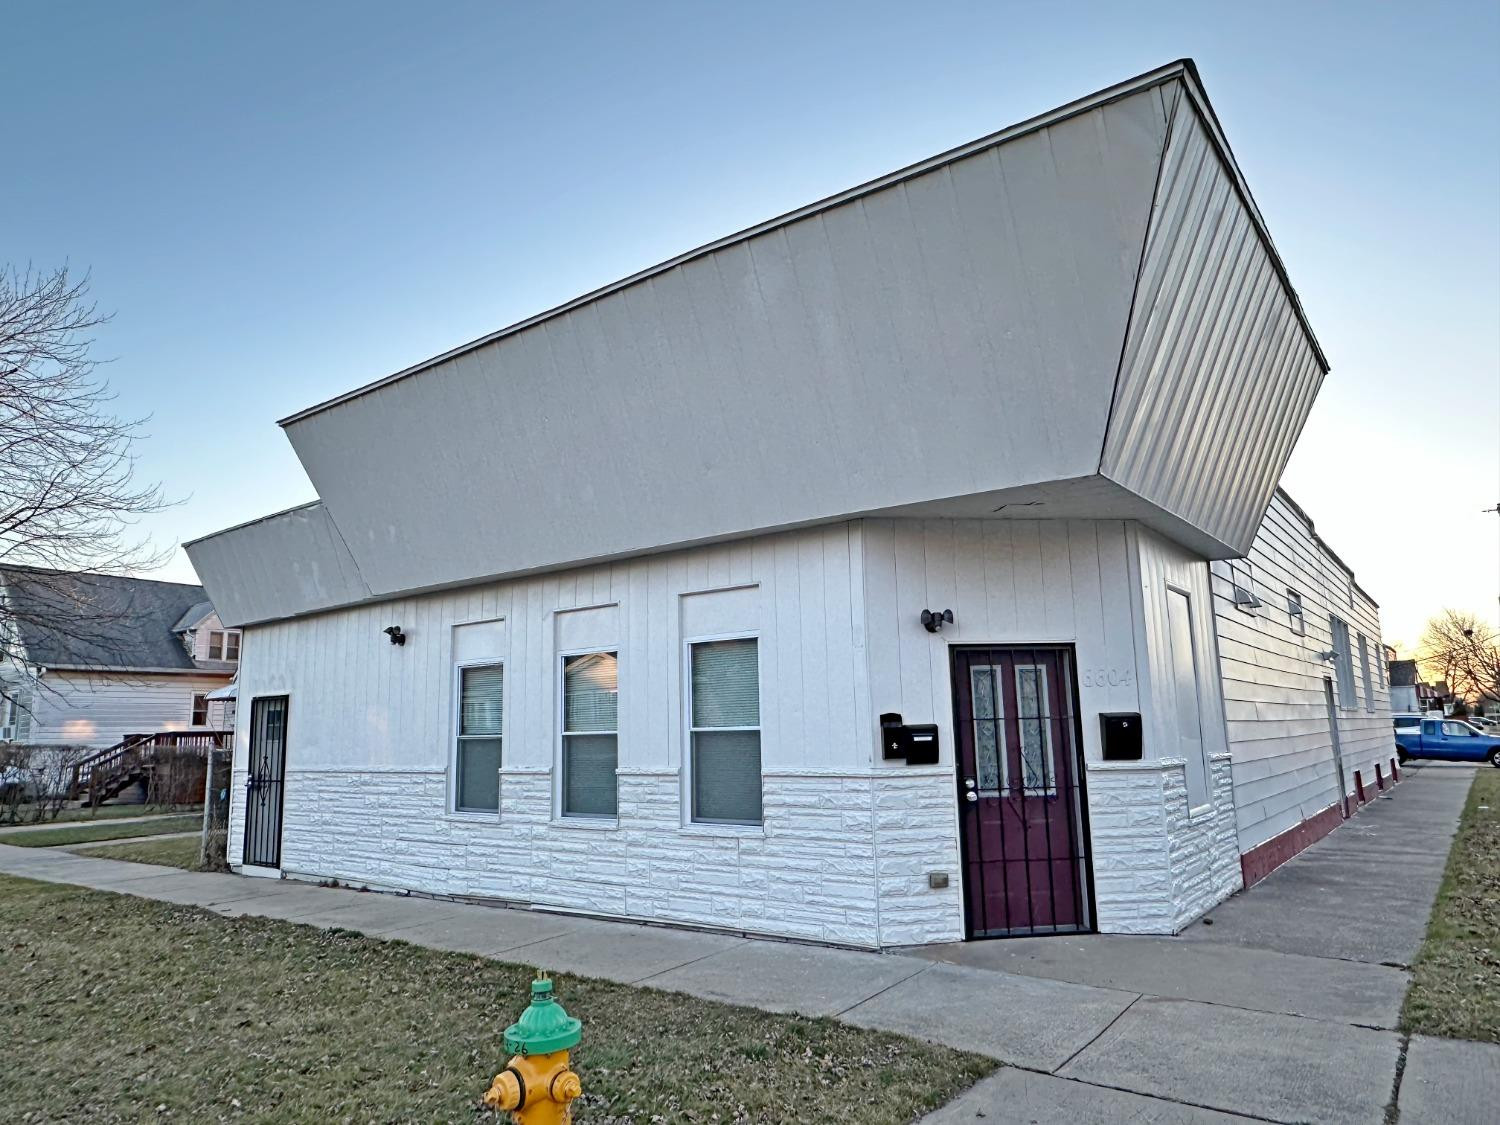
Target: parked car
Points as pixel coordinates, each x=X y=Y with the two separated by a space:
x=1447 y=740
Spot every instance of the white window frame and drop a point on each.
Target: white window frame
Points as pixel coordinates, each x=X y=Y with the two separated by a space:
x=1364 y=671
x=1343 y=667
x=689 y=820
x=454 y=737
x=238 y=645
x=560 y=790
x=1250 y=602
x=212 y=633
x=1296 y=612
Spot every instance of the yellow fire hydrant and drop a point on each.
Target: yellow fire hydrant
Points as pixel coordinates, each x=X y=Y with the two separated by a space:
x=536 y=1085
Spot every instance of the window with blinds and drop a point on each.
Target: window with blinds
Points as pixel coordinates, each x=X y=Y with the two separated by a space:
x=590 y=734
x=724 y=714
x=481 y=700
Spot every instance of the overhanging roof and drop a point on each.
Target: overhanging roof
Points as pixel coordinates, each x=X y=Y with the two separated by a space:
x=1088 y=295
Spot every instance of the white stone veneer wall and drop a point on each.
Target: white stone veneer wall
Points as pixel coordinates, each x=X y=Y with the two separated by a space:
x=1157 y=866
x=829 y=842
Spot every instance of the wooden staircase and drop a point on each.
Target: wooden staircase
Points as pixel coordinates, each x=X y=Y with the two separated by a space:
x=137 y=758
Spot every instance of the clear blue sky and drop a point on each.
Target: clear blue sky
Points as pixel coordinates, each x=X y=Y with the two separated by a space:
x=282 y=201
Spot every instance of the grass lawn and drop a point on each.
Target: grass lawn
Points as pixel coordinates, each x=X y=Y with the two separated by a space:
x=182 y=852
x=121 y=1009
x=1455 y=989
x=88 y=833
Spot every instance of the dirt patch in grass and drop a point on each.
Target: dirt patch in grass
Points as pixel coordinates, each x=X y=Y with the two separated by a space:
x=120 y=1009
x=89 y=833
x=1455 y=989
x=181 y=852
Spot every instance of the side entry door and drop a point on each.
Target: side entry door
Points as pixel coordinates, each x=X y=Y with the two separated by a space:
x=263 y=788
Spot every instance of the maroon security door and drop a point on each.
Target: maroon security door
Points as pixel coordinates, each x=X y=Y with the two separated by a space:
x=1025 y=843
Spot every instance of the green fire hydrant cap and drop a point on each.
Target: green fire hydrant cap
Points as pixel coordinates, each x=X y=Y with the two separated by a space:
x=544 y=1026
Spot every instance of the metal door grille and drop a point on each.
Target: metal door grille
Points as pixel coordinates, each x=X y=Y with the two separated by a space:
x=263 y=788
x=1024 y=831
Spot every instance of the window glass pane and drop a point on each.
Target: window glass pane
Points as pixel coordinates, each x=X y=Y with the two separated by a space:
x=589 y=774
x=232 y=646
x=726 y=684
x=989 y=735
x=481 y=701
x=726 y=776
x=215 y=646
x=1035 y=725
x=591 y=692
x=479 y=773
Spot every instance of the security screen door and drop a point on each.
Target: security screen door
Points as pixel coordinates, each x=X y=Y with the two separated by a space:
x=263 y=789
x=1025 y=848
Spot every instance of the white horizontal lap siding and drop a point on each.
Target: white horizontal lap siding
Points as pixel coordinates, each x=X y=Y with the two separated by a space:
x=82 y=709
x=370 y=742
x=1277 y=716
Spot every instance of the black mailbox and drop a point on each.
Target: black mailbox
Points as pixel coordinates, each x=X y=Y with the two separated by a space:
x=916 y=743
x=1120 y=735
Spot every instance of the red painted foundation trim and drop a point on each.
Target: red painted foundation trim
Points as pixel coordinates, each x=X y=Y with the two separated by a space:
x=1265 y=858
x=1395 y=772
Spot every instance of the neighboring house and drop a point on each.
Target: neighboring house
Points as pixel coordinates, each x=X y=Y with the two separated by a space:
x=102 y=657
x=846 y=579
x=1405 y=687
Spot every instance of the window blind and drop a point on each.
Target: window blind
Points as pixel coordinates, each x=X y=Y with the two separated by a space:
x=726 y=768
x=591 y=696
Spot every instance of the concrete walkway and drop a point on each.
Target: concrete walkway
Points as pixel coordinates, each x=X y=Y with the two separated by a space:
x=91 y=821
x=1283 y=1009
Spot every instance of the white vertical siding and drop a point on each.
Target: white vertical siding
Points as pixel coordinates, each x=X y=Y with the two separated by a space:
x=1007 y=582
x=1276 y=713
x=99 y=709
x=359 y=702
x=1219 y=371
x=1161 y=566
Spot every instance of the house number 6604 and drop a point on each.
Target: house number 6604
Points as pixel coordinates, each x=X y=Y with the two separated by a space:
x=1107 y=677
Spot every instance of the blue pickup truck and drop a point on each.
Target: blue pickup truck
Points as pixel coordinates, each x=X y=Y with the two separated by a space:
x=1448 y=740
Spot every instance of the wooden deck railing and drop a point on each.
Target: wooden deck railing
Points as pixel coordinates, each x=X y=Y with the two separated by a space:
x=135 y=750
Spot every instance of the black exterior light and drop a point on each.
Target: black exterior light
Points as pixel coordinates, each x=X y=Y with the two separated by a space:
x=396 y=635
x=934 y=622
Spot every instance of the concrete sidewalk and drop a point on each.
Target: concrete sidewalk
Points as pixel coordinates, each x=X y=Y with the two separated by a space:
x=1200 y=1028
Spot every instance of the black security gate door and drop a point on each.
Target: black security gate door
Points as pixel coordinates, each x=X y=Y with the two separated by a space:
x=267 y=774
x=1024 y=839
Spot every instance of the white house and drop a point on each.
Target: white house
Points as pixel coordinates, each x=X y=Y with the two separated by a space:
x=96 y=657
x=845 y=579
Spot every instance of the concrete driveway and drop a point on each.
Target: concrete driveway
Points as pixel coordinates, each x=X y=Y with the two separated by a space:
x=1283 y=1008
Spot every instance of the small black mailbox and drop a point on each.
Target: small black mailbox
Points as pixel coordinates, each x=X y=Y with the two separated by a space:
x=917 y=743
x=1120 y=734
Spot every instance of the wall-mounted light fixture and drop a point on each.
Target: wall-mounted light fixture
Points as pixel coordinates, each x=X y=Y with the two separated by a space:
x=1331 y=655
x=934 y=622
x=396 y=635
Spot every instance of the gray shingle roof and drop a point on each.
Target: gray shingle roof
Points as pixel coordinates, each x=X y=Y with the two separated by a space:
x=99 y=620
x=196 y=613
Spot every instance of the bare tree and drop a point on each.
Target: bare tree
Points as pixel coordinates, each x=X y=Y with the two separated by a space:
x=1462 y=649
x=68 y=494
